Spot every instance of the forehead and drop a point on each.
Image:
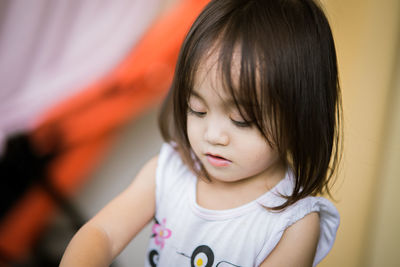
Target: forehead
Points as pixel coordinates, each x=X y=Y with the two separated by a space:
x=211 y=75
x=222 y=75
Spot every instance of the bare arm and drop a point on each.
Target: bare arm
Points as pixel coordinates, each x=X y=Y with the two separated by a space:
x=297 y=246
x=101 y=239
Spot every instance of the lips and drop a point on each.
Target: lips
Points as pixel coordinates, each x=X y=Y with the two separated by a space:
x=217 y=160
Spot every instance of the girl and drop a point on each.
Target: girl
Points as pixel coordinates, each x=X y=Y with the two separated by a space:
x=251 y=130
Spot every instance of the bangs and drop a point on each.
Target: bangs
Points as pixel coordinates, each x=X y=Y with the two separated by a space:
x=244 y=78
x=241 y=64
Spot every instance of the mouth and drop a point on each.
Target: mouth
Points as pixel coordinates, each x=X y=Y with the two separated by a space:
x=217 y=160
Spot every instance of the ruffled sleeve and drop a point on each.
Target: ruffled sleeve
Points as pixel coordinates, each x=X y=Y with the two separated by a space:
x=329 y=223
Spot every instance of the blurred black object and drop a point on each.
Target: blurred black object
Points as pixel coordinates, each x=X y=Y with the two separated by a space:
x=22 y=166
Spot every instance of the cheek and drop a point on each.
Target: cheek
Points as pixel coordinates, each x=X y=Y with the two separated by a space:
x=259 y=152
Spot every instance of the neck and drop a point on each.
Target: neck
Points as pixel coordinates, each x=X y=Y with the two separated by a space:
x=219 y=195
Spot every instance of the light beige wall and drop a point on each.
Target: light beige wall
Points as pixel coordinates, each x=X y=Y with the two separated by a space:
x=365 y=32
x=384 y=245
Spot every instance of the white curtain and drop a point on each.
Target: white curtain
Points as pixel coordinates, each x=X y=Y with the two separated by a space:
x=51 y=49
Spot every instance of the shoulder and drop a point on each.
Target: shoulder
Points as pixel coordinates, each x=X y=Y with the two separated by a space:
x=288 y=252
x=313 y=222
x=329 y=218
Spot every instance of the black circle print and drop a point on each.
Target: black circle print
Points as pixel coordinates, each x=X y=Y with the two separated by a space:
x=153 y=258
x=202 y=257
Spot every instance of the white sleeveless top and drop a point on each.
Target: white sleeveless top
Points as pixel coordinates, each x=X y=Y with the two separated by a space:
x=185 y=234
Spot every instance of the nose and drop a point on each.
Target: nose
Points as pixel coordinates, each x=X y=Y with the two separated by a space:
x=216 y=133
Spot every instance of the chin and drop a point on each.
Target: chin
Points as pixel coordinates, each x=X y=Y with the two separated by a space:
x=222 y=177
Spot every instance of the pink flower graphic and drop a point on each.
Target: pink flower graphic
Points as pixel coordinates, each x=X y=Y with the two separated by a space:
x=161 y=233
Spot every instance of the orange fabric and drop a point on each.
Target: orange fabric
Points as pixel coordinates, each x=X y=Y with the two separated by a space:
x=87 y=121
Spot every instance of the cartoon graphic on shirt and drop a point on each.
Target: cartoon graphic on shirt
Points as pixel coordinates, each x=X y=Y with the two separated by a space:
x=153 y=258
x=203 y=256
x=160 y=232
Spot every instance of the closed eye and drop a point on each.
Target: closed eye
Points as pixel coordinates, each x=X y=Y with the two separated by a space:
x=196 y=113
x=242 y=124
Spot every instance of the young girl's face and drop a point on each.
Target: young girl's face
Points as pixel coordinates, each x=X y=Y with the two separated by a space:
x=229 y=148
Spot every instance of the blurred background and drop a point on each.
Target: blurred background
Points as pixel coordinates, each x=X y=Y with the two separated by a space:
x=82 y=82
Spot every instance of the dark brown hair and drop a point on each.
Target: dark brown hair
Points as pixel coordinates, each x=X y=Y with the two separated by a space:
x=288 y=77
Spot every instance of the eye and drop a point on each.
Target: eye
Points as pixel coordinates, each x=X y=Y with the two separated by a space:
x=239 y=120
x=241 y=124
x=196 y=113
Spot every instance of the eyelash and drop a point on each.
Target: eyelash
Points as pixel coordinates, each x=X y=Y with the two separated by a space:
x=240 y=124
x=196 y=113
